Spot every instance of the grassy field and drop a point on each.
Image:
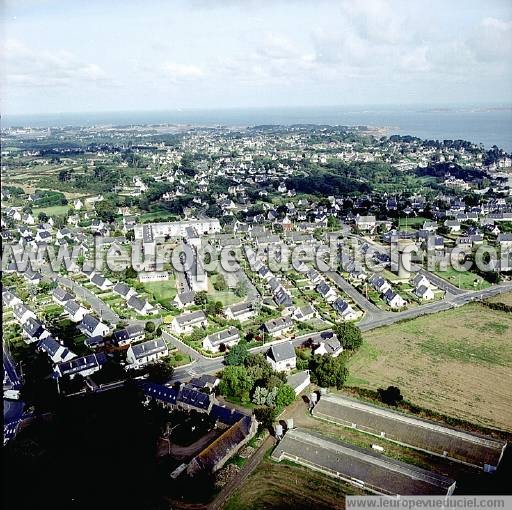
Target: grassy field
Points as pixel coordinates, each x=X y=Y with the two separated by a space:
x=506 y=299
x=463 y=279
x=412 y=222
x=54 y=210
x=456 y=362
x=161 y=291
x=288 y=486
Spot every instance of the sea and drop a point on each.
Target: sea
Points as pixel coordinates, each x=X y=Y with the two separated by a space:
x=488 y=125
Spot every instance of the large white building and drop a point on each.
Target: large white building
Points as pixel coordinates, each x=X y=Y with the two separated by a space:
x=177 y=228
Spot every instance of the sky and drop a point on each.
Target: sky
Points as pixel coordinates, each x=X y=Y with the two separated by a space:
x=93 y=56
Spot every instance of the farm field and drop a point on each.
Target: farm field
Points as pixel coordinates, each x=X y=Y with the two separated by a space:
x=456 y=362
x=288 y=486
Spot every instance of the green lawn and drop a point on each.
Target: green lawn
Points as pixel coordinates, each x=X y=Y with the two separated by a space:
x=54 y=210
x=161 y=291
x=412 y=222
x=463 y=279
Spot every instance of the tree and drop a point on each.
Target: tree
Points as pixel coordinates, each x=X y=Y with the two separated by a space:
x=214 y=308
x=285 y=396
x=264 y=396
x=328 y=371
x=349 y=335
x=265 y=416
x=220 y=284
x=106 y=210
x=241 y=289
x=236 y=382
x=237 y=354
x=201 y=298
x=333 y=222
x=42 y=217
x=160 y=373
x=391 y=395
x=150 y=327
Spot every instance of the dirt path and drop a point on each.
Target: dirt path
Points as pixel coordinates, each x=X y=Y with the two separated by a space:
x=187 y=452
x=237 y=481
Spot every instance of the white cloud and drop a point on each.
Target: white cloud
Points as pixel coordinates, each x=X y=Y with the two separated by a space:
x=492 y=41
x=182 y=72
x=26 y=67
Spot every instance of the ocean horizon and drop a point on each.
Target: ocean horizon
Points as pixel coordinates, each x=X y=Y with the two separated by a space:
x=486 y=124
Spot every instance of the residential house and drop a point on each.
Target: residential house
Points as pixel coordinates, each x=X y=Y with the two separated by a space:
x=141 y=306
x=305 y=313
x=221 y=340
x=124 y=290
x=61 y=296
x=146 y=352
x=186 y=322
x=240 y=312
x=101 y=282
x=22 y=314
x=277 y=327
x=33 y=330
x=393 y=299
x=424 y=292
x=184 y=299
x=75 y=311
x=84 y=366
x=343 y=309
x=91 y=326
x=327 y=292
x=282 y=357
x=55 y=351
x=128 y=335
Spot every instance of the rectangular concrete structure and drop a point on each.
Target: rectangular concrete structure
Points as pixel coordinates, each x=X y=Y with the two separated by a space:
x=363 y=468
x=461 y=446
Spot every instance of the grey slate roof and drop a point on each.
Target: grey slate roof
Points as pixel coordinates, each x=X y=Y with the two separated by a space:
x=148 y=348
x=281 y=352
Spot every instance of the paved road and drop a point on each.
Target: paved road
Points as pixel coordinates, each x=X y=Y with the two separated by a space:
x=442 y=283
x=101 y=308
x=437 y=306
x=360 y=300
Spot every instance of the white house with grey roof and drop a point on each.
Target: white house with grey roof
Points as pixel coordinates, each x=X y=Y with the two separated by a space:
x=33 y=330
x=75 y=311
x=84 y=366
x=304 y=313
x=55 y=350
x=282 y=357
x=22 y=313
x=240 y=312
x=61 y=296
x=141 y=306
x=10 y=299
x=101 y=282
x=184 y=299
x=186 y=322
x=146 y=352
x=91 y=326
x=330 y=345
x=225 y=338
x=123 y=290
x=126 y=336
x=277 y=327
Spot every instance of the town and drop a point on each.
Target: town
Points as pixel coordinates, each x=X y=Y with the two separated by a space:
x=319 y=343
